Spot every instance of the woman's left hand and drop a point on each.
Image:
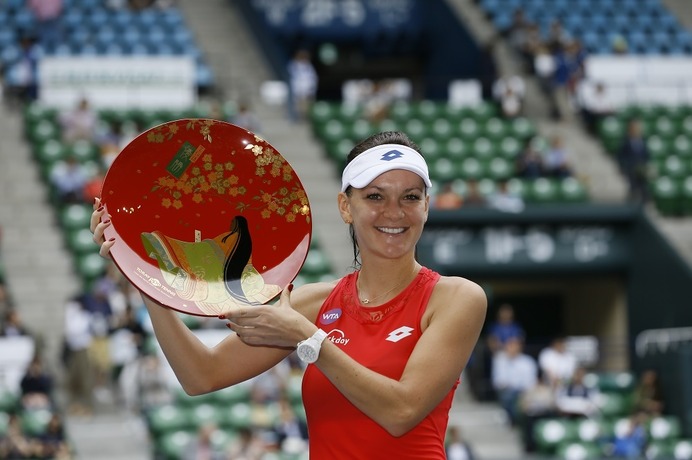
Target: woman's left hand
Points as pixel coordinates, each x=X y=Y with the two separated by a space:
x=276 y=325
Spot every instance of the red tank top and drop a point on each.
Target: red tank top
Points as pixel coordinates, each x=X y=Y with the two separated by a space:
x=382 y=339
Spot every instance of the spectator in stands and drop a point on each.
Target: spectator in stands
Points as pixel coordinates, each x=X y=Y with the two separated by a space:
x=22 y=76
x=504 y=328
x=202 y=446
x=12 y=325
x=509 y=93
x=79 y=123
x=575 y=398
x=102 y=320
x=448 y=198
x=557 y=363
x=302 y=84
x=48 y=20
x=595 y=104
x=377 y=102
x=14 y=443
x=458 y=448
x=648 y=394
x=633 y=158
x=513 y=373
x=93 y=185
x=247 y=446
x=291 y=431
x=473 y=196
x=556 y=163
x=538 y=402
x=78 y=339
x=246 y=118
x=68 y=177
x=529 y=162
x=37 y=386
x=631 y=442
x=504 y=199
x=53 y=442
x=111 y=141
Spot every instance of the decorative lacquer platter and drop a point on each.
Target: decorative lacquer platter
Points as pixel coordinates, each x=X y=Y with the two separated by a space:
x=206 y=216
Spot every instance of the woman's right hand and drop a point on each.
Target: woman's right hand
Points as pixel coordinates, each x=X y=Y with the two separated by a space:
x=98 y=225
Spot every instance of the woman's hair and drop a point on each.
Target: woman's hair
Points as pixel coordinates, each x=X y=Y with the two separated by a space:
x=384 y=137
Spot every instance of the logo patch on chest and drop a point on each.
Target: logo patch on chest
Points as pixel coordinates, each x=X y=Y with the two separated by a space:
x=328 y=317
x=399 y=334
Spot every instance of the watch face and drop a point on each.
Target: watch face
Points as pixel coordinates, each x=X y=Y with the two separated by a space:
x=307 y=353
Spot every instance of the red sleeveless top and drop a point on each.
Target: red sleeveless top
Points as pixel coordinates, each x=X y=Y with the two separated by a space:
x=382 y=339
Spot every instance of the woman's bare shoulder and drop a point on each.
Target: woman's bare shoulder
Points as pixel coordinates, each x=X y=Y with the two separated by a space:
x=308 y=298
x=456 y=290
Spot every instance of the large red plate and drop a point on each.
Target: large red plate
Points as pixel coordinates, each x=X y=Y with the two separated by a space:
x=206 y=216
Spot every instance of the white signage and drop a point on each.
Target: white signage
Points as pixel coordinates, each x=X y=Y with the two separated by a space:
x=150 y=82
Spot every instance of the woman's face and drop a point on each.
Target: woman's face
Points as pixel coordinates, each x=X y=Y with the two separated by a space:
x=388 y=214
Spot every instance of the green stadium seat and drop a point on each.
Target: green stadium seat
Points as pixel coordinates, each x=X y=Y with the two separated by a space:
x=664 y=428
x=456 y=149
x=483 y=147
x=181 y=398
x=75 y=216
x=522 y=128
x=89 y=267
x=416 y=129
x=664 y=127
x=672 y=166
x=8 y=400
x=572 y=191
x=172 y=446
x=444 y=170
x=552 y=432
x=431 y=148
x=321 y=112
x=233 y=394
x=471 y=169
x=667 y=196
x=682 y=449
x=579 y=451
x=50 y=152
x=682 y=146
x=35 y=421
x=360 y=129
x=593 y=429
x=658 y=450
x=441 y=129
x=543 y=190
x=614 y=404
x=36 y=111
x=468 y=129
x=428 y=110
x=401 y=111
x=495 y=128
x=339 y=151
x=484 y=111
x=168 y=418
x=519 y=187
x=611 y=130
x=500 y=169
x=509 y=147
x=348 y=113
x=658 y=146
x=80 y=241
x=389 y=125
x=204 y=414
x=238 y=416
x=43 y=130
x=686 y=126
x=84 y=151
x=332 y=131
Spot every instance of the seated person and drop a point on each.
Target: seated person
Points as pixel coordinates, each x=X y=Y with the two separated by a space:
x=575 y=398
x=513 y=373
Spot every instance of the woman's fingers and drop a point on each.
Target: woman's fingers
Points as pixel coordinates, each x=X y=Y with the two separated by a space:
x=98 y=225
x=104 y=250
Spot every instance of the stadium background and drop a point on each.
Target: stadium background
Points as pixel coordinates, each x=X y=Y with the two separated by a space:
x=631 y=297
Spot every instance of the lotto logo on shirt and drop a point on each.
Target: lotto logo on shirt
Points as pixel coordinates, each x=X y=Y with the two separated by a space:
x=328 y=317
x=337 y=337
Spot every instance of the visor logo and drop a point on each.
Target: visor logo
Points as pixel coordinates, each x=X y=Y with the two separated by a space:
x=391 y=155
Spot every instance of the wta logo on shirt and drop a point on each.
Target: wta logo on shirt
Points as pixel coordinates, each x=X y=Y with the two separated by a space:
x=328 y=317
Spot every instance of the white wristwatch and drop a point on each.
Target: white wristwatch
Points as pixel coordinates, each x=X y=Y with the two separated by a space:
x=309 y=349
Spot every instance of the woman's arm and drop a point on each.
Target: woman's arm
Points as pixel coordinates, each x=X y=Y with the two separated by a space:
x=452 y=324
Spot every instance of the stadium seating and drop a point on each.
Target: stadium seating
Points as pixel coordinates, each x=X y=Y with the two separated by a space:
x=460 y=144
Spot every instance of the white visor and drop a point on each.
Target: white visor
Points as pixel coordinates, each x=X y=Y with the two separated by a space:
x=364 y=168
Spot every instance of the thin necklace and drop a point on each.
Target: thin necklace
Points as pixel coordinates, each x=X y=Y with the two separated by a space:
x=372 y=299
